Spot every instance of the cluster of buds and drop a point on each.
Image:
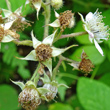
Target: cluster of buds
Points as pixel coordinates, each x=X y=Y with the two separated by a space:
x=31 y=96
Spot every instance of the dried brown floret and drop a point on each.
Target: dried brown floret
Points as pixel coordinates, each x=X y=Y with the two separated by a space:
x=43 y=52
x=85 y=64
x=65 y=19
x=1 y=33
x=12 y=34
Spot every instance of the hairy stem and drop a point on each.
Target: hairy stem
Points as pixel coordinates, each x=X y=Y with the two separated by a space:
x=73 y=35
x=56 y=69
x=47 y=17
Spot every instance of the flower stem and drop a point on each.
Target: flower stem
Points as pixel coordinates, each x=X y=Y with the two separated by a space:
x=73 y=35
x=55 y=70
x=94 y=72
x=47 y=17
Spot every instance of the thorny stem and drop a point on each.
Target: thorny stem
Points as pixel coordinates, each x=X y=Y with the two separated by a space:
x=8 y=4
x=56 y=69
x=72 y=35
x=67 y=59
x=61 y=58
x=25 y=42
x=47 y=17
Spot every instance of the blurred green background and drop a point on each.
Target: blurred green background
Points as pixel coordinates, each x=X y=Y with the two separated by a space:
x=85 y=93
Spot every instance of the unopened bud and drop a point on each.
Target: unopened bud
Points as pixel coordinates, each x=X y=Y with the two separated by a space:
x=29 y=98
x=57 y=4
x=50 y=95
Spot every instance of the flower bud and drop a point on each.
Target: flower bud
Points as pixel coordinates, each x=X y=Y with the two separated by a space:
x=29 y=98
x=50 y=95
x=56 y=3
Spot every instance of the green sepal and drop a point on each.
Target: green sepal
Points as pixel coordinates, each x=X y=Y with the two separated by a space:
x=45 y=79
x=42 y=90
x=44 y=98
x=64 y=85
x=20 y=84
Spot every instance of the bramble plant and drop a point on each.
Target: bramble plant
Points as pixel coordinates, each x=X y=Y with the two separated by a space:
x=48 y=57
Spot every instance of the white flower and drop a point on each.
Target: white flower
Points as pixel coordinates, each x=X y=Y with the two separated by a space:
x=12 y=16
x=43 y=51
x=96 y=28
x=36 y=4
x=65 y=19
x=15 y=20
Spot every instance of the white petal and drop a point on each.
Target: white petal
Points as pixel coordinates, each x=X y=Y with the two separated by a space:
x=56 y=14
x=89 y=16
x=18 y=11
x=37 y=6
x=57 y=51
x=49 y=39
x=27 y=2
x=31 y=56
x=81 y=17
x=35 y=41
x=7 y=38
x=7 y=25
x=48 y=64
x=7 y=13
x=91 y=35
x=56 y=23
x=98 y=47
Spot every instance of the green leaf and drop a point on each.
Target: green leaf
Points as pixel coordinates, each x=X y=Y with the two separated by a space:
x=60 y=106
x=8 y=98
x=91 y=52
x=105 y=79
x=9 y=50
x=93 y=95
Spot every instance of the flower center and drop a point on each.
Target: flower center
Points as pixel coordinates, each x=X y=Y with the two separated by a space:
x=65 y=19
x=20 y=24
x=1 y=33
x=43 y=52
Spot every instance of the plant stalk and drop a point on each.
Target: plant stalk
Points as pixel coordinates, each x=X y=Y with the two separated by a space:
x=47 y=18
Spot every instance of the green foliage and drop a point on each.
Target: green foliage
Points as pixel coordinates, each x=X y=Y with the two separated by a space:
x=9 y=50
x=93 y=95
x=59 y=106
x=8 y=100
